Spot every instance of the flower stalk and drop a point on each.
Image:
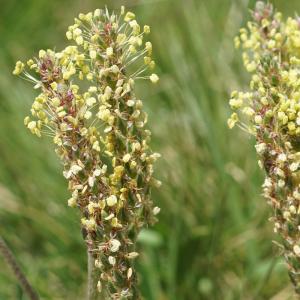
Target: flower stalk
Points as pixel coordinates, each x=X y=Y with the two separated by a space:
x=89 y=107
x=92 y=293
x=270 y=111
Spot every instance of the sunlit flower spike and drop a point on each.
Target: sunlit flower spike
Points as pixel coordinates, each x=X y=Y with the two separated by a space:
x=87 y=104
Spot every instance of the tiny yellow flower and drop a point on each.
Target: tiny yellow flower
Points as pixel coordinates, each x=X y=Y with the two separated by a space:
x=129 y=16
x=93 y=54
x=109 y=51
x=232 y=120
x=154 y=78
x=126 y=158
x=147 y=29
x=18 y=68
x=112 y=200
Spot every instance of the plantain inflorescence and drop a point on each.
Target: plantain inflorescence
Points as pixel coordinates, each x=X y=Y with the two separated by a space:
x=89 y=107
x=270 y=110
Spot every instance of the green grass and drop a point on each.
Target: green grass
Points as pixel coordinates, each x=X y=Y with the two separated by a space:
x=213 y=240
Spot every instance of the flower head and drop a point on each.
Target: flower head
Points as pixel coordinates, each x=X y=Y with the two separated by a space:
x=270 y=111
x=87 y=104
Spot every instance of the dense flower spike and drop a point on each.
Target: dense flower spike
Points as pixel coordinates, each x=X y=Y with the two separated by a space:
x=88 y=105
x=270 y=111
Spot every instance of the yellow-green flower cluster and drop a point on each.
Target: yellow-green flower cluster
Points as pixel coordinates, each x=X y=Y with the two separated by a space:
x=88 y=105
x=270 y=111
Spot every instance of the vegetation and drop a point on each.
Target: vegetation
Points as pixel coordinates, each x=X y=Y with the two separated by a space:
x=269 y=112
x=213 y=240
x=88 y=107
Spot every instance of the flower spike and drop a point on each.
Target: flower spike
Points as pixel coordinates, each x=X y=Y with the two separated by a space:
x=89 y=107
x=270 y=111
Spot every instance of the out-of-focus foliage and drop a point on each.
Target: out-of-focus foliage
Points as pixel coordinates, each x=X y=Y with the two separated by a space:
x=213 y=240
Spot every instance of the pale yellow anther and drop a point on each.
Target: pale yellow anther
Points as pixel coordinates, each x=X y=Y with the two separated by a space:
x=109 y=51
x=111 y=200
x=154 y=78
x=129 y=16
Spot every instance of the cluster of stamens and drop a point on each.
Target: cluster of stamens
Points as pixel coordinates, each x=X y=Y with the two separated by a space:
x=270 y=111
x=88 y=106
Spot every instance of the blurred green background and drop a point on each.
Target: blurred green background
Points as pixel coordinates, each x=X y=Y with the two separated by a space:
x=213 y=240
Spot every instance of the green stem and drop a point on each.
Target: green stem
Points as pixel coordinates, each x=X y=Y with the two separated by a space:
x=12 y=262
x=92 y=292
